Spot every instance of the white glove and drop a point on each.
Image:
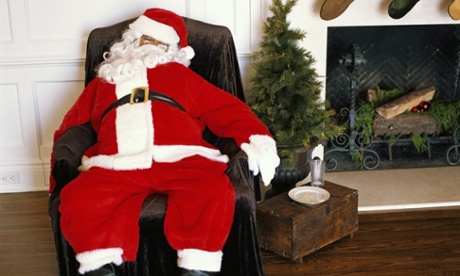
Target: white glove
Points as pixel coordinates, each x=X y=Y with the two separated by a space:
x=262 y=156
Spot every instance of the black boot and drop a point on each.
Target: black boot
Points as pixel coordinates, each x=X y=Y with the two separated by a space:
x=186 y=272
x=106 y=270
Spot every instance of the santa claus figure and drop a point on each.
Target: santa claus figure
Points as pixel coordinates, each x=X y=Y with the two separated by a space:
x=149 y=111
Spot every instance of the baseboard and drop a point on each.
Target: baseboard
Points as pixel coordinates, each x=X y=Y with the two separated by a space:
x=386 y=208
x=27 y=178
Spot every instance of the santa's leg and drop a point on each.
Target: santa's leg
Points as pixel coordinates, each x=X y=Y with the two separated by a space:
x=399 y=8
x=201 y=202
x=96 y=210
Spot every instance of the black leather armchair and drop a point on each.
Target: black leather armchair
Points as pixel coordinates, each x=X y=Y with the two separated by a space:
x=216 y=61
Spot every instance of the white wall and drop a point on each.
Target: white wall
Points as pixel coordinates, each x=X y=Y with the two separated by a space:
x=42 y=44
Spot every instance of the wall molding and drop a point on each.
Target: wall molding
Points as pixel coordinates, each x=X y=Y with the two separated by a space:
x=28 y=61
x=32 y=177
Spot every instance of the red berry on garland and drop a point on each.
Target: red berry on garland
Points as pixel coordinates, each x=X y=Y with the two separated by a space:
x=425 y=106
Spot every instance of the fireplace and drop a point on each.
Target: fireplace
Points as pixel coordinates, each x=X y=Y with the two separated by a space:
x=410 y=58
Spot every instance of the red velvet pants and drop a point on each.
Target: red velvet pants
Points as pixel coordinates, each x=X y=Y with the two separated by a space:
x=101 y=208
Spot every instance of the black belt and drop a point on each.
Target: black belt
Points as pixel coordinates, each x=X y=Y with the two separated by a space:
x=142 y=95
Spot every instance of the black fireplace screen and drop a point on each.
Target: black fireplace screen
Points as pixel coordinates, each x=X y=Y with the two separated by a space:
x=404 y=57
x=407 y=58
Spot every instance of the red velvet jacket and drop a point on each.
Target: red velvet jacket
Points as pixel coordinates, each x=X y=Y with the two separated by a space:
x=131 y=136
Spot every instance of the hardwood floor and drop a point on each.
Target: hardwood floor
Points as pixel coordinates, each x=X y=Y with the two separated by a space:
x=26 y=240
x=421 y=242
x=410 y=243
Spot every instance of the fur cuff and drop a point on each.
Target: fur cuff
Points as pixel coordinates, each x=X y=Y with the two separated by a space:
x=94 y=259
x=174 y=153
x=195 y=259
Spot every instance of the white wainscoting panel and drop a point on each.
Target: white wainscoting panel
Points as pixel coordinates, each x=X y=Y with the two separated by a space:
x=13 y=38
x=18 y=142
x=53 y=101
x=5 y=22
x=236 y=15
x=10 y=116
x=33 y=101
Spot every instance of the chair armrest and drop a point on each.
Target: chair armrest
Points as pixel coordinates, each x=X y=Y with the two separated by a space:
x=73 y=143
x=68 y=151
x=243 y=179
x=227 y=146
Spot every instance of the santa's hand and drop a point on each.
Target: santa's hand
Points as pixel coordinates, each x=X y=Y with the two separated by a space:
x=262 y=156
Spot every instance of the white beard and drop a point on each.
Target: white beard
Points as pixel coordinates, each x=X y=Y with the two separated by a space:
x=125 y=59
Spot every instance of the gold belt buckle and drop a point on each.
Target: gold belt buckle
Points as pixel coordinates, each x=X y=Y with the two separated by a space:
x=135 y=91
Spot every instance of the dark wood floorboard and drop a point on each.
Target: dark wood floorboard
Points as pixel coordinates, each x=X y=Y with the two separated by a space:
x=422 y=242
x=409 y=243
x=26 y=240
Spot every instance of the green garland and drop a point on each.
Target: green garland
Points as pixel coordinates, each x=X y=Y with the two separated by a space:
x=446 y=113
x=365 y=119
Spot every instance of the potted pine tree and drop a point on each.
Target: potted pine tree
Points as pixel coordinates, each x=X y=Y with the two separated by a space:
x=285 y=95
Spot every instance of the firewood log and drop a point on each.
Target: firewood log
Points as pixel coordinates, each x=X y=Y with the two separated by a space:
x=412 y=123
x=372 y=95
x=405 y=102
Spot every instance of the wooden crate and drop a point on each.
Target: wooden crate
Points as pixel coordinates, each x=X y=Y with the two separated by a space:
x=294 y=230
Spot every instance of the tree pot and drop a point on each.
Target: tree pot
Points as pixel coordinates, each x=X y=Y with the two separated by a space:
x=289 y=172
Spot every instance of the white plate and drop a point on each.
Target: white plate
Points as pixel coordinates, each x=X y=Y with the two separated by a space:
x=309 y=195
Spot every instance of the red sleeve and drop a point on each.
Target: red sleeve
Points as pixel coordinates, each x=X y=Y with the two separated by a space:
x=78 y=114
x=226 y=115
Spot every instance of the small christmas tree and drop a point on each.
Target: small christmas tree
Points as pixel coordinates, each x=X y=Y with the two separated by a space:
x=285 y=92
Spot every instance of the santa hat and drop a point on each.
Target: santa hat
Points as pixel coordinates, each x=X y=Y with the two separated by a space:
x=164 y=26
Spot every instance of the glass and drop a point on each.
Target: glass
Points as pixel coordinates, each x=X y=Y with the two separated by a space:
x=317 y=169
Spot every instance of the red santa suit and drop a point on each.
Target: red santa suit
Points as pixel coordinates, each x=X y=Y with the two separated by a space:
x=154 y=147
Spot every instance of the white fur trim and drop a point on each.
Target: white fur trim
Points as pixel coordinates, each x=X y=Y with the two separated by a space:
x=103 y=161
x=94 y=259
x=189 y=52
x=137 y=79
x=134 y=128
x=143 y=160
x=155 y=29
x=133 y=122
x=175 y=153
x=195 y=259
